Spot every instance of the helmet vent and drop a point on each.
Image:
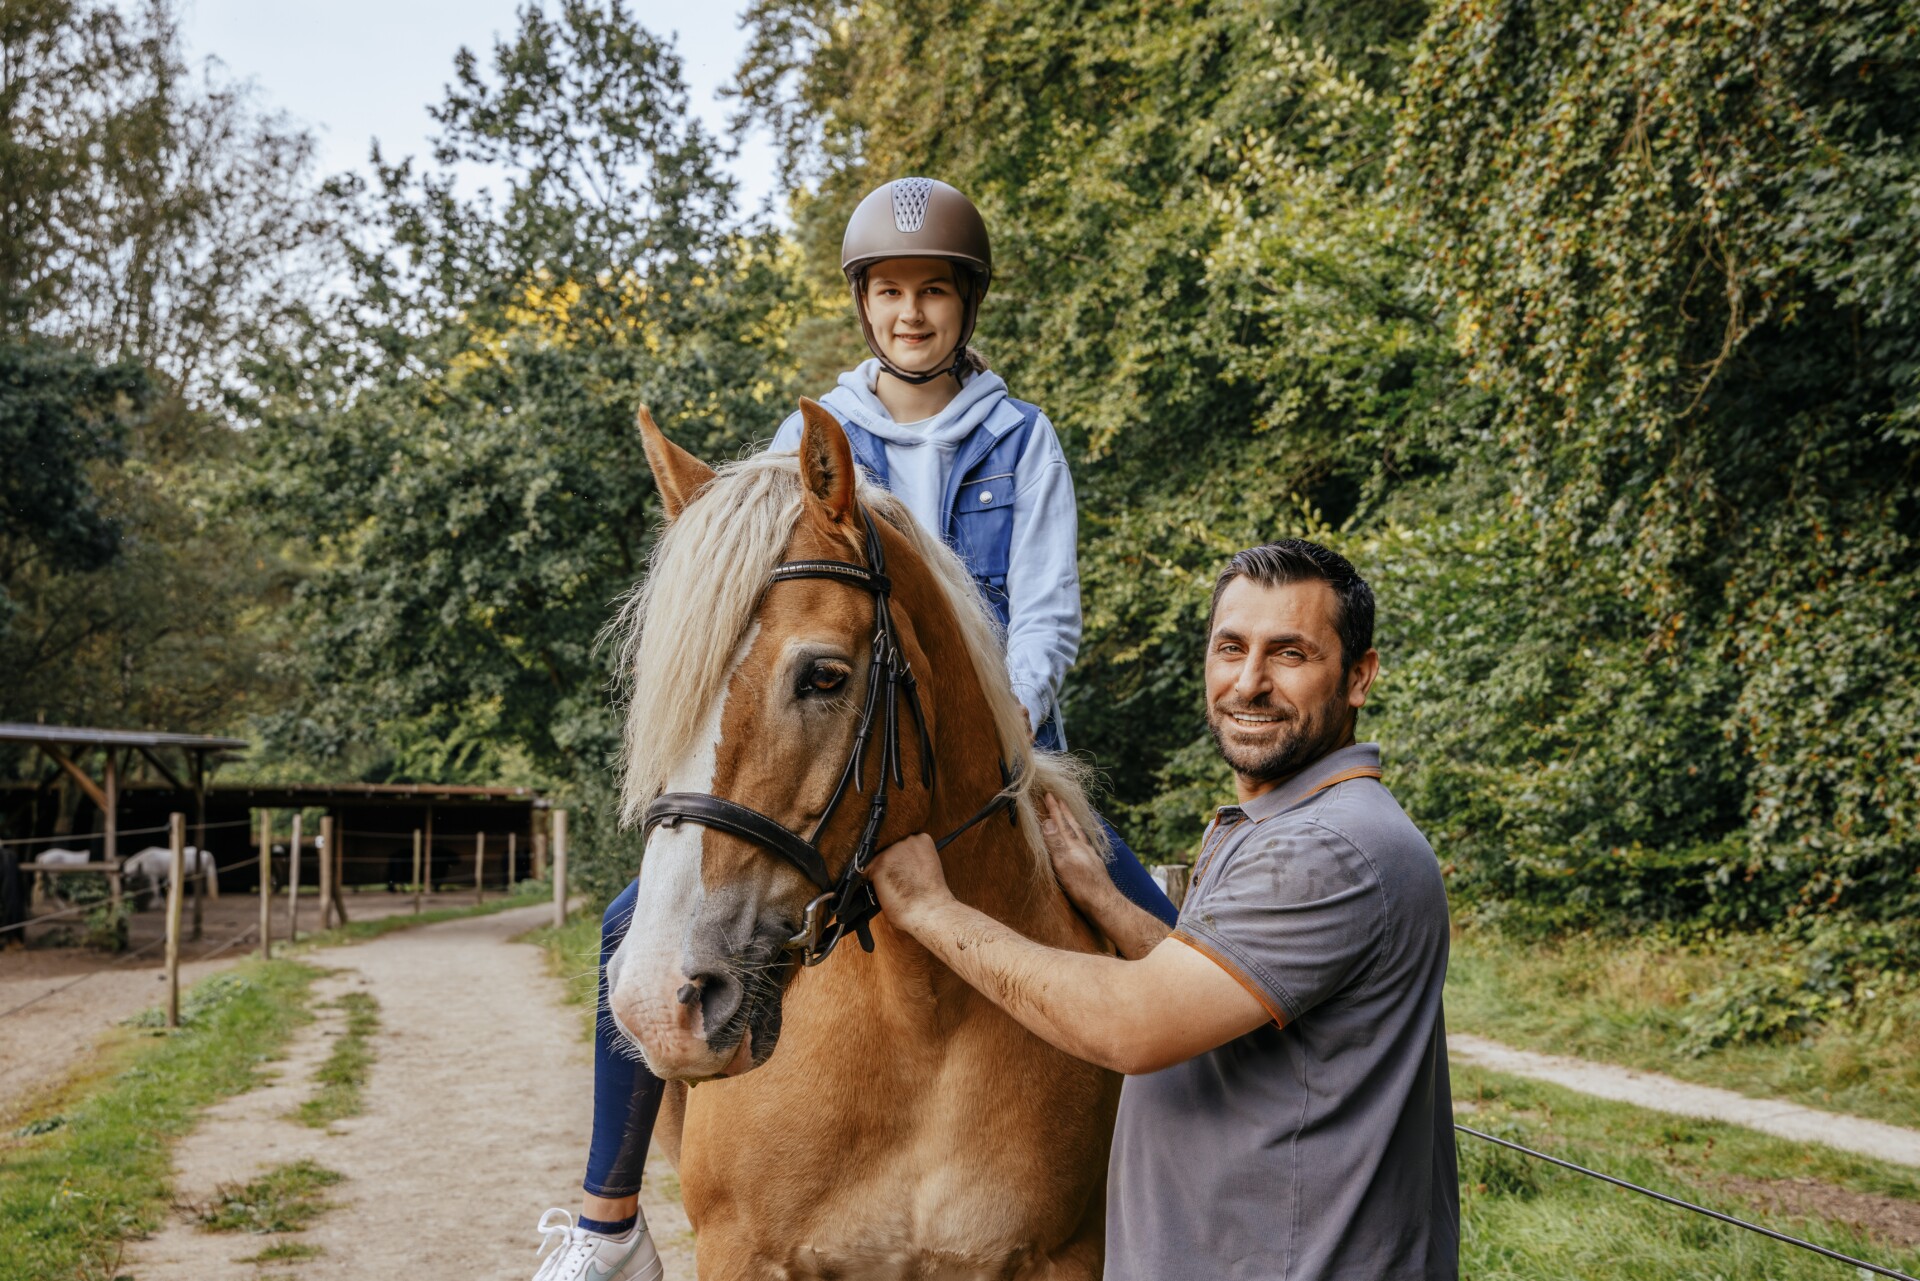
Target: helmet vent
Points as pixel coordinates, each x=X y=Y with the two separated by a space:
x=910 y=197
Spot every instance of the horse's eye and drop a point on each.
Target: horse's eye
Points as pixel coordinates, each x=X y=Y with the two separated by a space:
x=822 y=678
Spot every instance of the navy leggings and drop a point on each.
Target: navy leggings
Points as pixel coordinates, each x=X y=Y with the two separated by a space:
x=626 y=1097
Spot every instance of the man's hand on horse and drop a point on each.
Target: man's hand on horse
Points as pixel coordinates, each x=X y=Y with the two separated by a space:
x=1082 y=872
x=908 y=877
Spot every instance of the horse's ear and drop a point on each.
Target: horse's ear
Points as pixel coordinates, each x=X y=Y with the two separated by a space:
x=826 y=461
x=678 y=473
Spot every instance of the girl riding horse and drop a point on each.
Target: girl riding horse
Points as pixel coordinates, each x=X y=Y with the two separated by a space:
x=929 y=421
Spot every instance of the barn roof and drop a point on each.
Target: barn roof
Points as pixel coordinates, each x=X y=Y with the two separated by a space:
x=21 y=732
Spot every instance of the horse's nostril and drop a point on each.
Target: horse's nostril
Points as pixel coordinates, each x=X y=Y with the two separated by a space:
x=688 y=994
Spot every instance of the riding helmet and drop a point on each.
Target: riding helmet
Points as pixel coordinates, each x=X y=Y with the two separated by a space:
x=919 y=218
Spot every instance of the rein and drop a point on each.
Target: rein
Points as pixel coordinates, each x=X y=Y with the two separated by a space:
x=846 y=905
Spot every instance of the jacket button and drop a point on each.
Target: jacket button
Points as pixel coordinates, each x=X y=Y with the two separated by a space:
x=986 y=495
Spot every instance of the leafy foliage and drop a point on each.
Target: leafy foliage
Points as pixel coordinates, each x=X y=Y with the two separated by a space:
x=1584 y=328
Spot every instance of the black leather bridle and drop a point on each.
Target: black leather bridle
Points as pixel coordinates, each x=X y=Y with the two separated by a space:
x=846 y=905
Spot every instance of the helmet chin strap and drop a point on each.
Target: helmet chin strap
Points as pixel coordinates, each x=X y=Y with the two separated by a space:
x=959 y=363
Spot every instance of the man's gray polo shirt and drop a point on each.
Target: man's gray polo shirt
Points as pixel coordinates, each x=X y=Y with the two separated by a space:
x=1320 y=1146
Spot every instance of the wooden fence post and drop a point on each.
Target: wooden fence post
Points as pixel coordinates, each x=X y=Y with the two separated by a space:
x=416 y=871
x=176 y=882
x=325 y=853
x=479 y=867
x=111 y=842
x=559 y=868
x=266 y=885
x=293 y=882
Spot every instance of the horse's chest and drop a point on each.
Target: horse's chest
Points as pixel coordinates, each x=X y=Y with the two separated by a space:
x=957 y=1184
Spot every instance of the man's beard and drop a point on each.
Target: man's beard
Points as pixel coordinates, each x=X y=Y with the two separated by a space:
x=1302 y=740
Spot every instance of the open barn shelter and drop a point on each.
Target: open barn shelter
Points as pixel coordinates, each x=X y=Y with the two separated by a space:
x=107 y=793
x=102 y=766
x=490 y=836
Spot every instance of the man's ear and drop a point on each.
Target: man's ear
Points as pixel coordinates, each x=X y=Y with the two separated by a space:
x=678 y=473
x=1360 y=678
x=826 y=461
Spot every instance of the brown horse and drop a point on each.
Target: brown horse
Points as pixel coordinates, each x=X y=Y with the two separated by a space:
x=870 y=1116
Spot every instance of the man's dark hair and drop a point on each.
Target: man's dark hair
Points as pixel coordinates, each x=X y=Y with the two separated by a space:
x=1295 y=560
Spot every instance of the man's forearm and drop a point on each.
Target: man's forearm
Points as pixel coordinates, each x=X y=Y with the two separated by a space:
x=1131 y=928
x=1071 y=1000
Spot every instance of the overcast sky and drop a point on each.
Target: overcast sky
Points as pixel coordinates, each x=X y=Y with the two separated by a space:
x=355 y=70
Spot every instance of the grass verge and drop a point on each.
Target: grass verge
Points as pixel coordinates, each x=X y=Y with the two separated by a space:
x=1521 y=1218
x=285 y=1199
x=1626 y=1001
x=573 y=956
x=93 y=1168
x=340 y=1078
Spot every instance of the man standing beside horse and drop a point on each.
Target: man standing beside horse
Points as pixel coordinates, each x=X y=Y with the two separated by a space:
x=1286 y=1111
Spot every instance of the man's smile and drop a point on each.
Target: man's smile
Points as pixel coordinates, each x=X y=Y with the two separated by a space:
x=1253 y=720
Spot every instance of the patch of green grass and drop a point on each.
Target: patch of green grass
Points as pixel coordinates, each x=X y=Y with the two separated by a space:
x=1627 y=1000
x=285 y=1252
x=69 y=1195
x=341 y=1077
x=285 y=1199
x=573 y=957
x=1524 y=1219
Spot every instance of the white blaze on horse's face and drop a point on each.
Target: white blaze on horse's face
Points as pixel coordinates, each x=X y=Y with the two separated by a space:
x=669 y=985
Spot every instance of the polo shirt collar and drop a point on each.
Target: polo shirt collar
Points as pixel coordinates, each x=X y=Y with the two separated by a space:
x=1307 y=781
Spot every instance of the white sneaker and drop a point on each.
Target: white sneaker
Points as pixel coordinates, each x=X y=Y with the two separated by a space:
x=581 y=1255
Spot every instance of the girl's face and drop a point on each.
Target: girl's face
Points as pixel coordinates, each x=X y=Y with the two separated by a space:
x=915 y=311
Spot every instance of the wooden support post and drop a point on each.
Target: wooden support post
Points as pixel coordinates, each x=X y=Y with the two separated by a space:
x=539 y=855
x=176 y=885
x=266 y=885
x=559 y=868
x=325 y=859
x=512 y=859
x=111 y=851
x=339 y=858
x=416 y=871
x=199 y=841
x=427 y=866
x=479 y=867
x=293 y=882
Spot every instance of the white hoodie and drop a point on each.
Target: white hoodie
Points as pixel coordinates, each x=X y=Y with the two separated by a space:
x=1043 y=572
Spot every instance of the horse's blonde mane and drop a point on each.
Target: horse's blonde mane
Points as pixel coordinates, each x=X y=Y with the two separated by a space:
x=682 y=623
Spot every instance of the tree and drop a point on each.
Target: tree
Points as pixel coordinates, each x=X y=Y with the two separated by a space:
x=154 y=228
x=456 y=441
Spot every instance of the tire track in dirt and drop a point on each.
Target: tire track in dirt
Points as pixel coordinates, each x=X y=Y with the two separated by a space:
x=476 y=1119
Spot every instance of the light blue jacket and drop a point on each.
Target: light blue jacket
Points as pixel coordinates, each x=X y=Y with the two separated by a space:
x=1043 y=570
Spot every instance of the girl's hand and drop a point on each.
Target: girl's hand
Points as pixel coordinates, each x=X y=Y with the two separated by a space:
x=1082 y=872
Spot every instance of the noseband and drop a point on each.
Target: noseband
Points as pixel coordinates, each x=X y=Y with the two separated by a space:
x=846 y=905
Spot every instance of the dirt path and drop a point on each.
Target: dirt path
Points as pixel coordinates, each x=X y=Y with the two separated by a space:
x=55 y=1002
x=476 y=1121
x=1665 y=1094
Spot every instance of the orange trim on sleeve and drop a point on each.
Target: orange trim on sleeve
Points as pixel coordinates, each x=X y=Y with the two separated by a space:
x=1359 y=771
x=1253 y=989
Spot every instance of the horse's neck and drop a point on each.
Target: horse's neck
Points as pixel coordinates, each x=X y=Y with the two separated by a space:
x=990 y=866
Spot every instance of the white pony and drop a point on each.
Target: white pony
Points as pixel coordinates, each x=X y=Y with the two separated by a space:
x=151 y=868
x=46 y=882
